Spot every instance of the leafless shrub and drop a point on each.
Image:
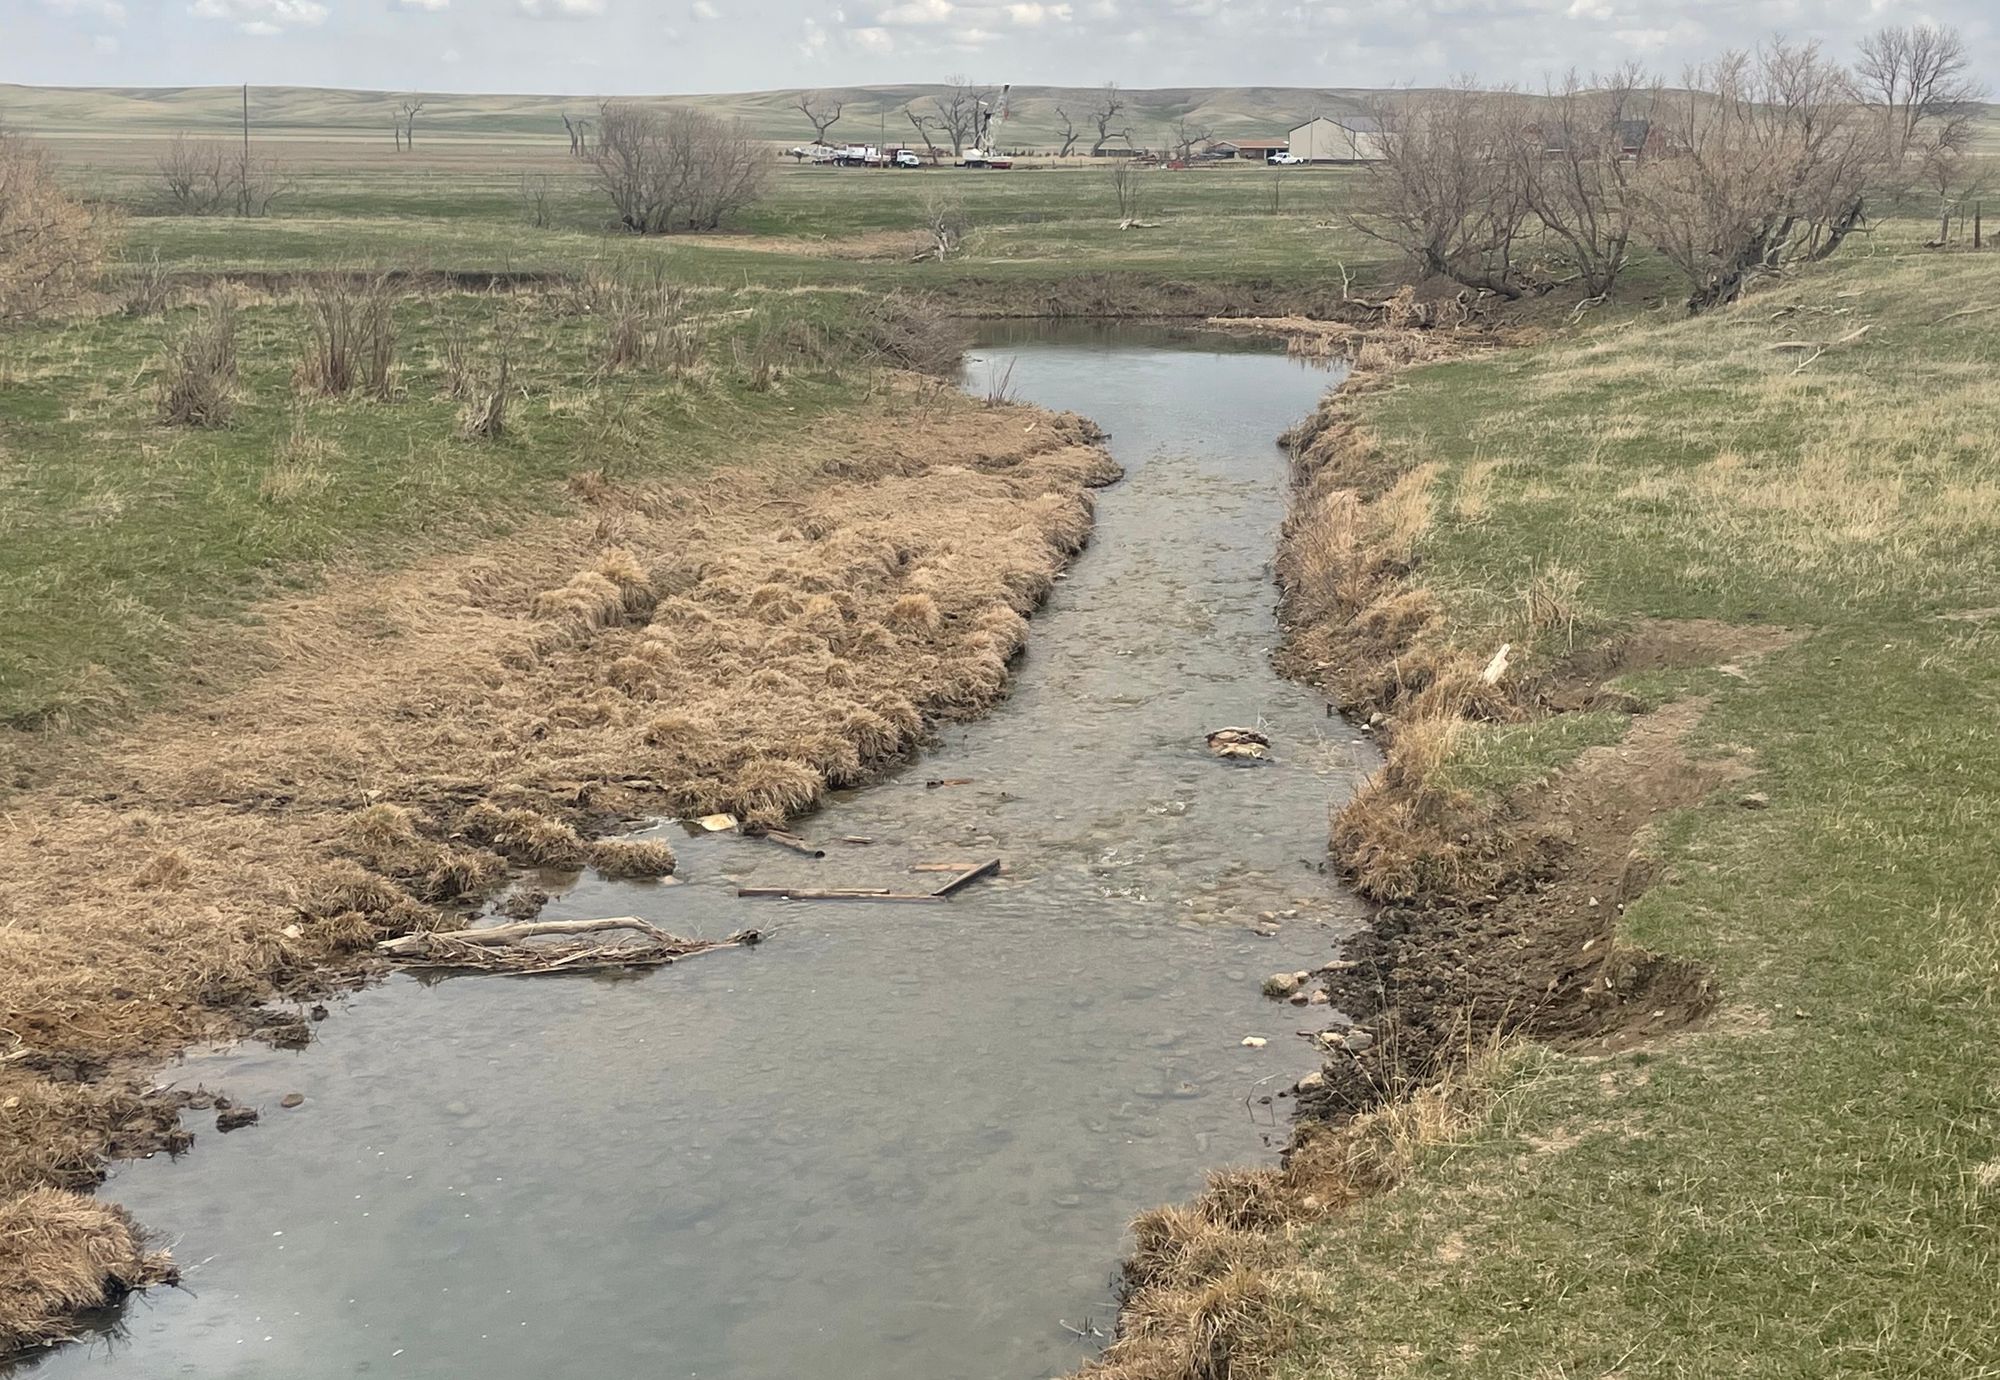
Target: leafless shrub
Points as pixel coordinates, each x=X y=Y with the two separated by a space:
x=194 y=176
x=148 y=286
x=913 y=333
x=1125 y=187
x=642 y=320
x=945 y=226
x=1446 y=191
x=199 y=384
x=674 y=169
x=51 y=246
x=485 y=415
x=536 y=189
x=350 y=340
x=1770 y=161
x=1000 y=386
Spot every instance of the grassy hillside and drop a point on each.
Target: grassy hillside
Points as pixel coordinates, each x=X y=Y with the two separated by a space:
x=315 y=112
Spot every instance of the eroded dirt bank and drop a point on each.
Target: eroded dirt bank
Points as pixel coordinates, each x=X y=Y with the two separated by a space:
x=1496 y=917
x=391 y=749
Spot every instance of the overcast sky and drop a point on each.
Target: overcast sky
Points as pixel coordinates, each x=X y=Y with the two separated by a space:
x=660 y=46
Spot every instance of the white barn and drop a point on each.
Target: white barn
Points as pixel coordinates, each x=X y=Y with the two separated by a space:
x=1339 y=139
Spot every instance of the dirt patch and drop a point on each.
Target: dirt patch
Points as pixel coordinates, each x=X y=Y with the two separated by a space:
x=392 y=748
x=1538 y=957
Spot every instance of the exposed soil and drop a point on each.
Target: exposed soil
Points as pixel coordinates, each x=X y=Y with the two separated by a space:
x=384 y=755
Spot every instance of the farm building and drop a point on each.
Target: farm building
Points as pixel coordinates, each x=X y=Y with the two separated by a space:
x=1257 y=150
x=1339 y=139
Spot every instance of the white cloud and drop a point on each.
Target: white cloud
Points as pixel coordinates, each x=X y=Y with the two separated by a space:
x=262 y=18
x=449 y=57
x=426 y=6
x=1033 y=14
x=912 y=13
x=109 y=11
x=560 y=9
x=107 y=44
x=701 y=11
x=873 y=40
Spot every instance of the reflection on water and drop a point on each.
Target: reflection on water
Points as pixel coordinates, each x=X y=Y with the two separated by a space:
x=893 y=1141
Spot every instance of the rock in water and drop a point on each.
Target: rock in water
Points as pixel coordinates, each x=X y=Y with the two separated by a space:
x=1239 y=743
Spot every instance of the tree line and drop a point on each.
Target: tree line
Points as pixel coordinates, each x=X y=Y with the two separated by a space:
x=1752 y=161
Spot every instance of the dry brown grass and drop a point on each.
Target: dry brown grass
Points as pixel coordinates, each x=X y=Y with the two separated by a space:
x=62 y=1252
x=391 y=745
x=1212 y=1290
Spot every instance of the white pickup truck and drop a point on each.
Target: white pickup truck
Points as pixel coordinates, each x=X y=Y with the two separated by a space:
x=1284 y=160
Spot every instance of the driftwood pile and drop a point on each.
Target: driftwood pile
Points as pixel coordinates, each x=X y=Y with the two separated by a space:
x=511 y=948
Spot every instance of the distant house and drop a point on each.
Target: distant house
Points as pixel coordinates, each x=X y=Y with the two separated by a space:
x=1340 y=139
x=1220 y=148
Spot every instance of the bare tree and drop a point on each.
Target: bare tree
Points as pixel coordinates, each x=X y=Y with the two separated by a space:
x=945 y=226
x=579 y=136
x=1916 y=81
x=1770 y=163
x=194 y=176
x=1110 y=105
x=409 y=108
x=955 y=111
x=51 y=247
x=925 y=126
x=1069 y=133
x=675 y=169
x=1186 y=133
x=1446 y=191
x=1574 y=171
x=822 y=110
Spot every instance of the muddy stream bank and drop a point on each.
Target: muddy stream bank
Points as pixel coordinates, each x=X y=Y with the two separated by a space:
x=894 y=1141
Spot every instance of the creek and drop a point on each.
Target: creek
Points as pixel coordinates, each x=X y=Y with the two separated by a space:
x=901 y=1142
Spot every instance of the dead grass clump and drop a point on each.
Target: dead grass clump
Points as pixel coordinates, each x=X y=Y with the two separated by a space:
x=350 y=340
x=915 y=613
x=198 y=387
x=484 y=416
x=635 y=859
x=610 y=594
x=386 y=838
x=61 y=1253
x=167 y=870
x=526 y=837
x=768 y=791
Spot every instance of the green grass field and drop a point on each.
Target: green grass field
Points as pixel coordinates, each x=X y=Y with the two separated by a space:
x=1810 y=1185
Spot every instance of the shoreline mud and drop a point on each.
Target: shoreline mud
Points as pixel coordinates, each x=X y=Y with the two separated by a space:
x=392 y=752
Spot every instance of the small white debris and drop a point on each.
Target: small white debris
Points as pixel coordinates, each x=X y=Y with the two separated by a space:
x=1254 y=1042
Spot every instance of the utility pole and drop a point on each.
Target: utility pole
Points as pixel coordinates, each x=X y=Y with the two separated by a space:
x=243 y=181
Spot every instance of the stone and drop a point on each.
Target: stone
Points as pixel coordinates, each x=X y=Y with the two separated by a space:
x=1755 y=800
x=1254 y=1042
x=1358 y=1040
x=292 y=1099
x=1281 y=984
x=1312 y=1083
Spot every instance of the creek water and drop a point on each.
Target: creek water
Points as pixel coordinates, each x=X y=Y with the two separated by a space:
x=900 y=1142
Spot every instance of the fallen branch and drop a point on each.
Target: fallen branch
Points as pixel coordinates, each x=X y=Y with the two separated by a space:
x=968 y=877
x=1965 y=311
x=802 y=893
x=505 y=948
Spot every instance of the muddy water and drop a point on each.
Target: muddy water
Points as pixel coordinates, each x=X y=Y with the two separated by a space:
x=895 y=1141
